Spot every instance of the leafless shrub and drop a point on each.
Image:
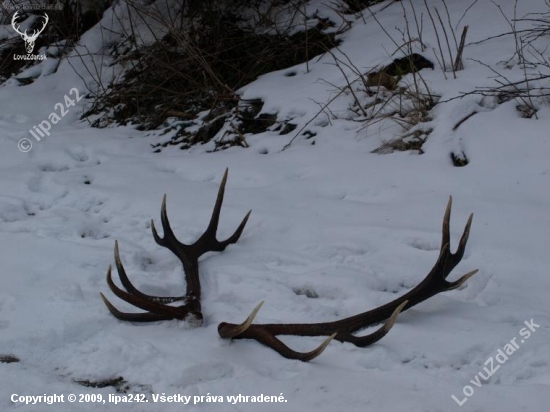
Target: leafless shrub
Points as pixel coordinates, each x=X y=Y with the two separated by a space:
x=396 y=93
x=451 y=58
x=532 y=86
x=185 y=79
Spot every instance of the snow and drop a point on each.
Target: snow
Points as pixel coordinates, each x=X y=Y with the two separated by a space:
x=355 y=228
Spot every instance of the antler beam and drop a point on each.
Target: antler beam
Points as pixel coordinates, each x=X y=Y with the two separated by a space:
x=157 y=306
x=342 y=330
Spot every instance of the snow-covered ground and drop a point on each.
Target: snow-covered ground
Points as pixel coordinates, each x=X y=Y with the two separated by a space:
x=355 y=228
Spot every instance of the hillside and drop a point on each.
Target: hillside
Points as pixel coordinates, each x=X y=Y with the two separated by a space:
x=347 y=209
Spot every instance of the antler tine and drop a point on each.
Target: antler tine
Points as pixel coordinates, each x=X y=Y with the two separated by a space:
x=446 y=235
x=169 y=240
x=228 y=331
x=375 y=336
x=132 y=289
x=237 y=234
x=133 y=317
x=458 y=283
x=122 y=274
x=215 y=219
x=144 y=303
x=278 y=346
x=452 y=259
x=464 y=239
x=208 y=241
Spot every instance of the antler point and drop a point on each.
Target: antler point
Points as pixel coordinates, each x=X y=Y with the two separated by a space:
x=465 y=277
x=117 y=253
x=313 y=354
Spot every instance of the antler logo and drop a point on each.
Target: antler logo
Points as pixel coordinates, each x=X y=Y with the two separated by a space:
x=29 y=39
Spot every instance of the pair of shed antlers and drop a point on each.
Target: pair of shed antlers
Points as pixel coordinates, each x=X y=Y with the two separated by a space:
x=158 y=308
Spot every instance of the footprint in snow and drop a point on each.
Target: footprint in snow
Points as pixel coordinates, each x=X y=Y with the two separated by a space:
x=14 y=118
x=422 y=244
x=84 y=156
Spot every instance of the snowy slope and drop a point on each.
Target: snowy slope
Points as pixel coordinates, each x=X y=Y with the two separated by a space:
x=354 y=227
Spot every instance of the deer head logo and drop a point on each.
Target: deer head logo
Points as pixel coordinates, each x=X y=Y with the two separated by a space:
x=29 y=39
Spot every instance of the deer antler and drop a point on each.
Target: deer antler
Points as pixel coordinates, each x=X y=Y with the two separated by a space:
x=35 y=34
x=342 y=330
x=157 y=306
x=13 y=22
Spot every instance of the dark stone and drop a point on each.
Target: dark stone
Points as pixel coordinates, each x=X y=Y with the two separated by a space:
x=8 y=359
x=407 y=64
x=460 y=159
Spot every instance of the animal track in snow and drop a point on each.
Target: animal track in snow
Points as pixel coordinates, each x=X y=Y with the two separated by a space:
x=13 y=210
x=52 y=167
x=423 y=244
x=14 y=118
x=84 y=156
x=71 y=158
